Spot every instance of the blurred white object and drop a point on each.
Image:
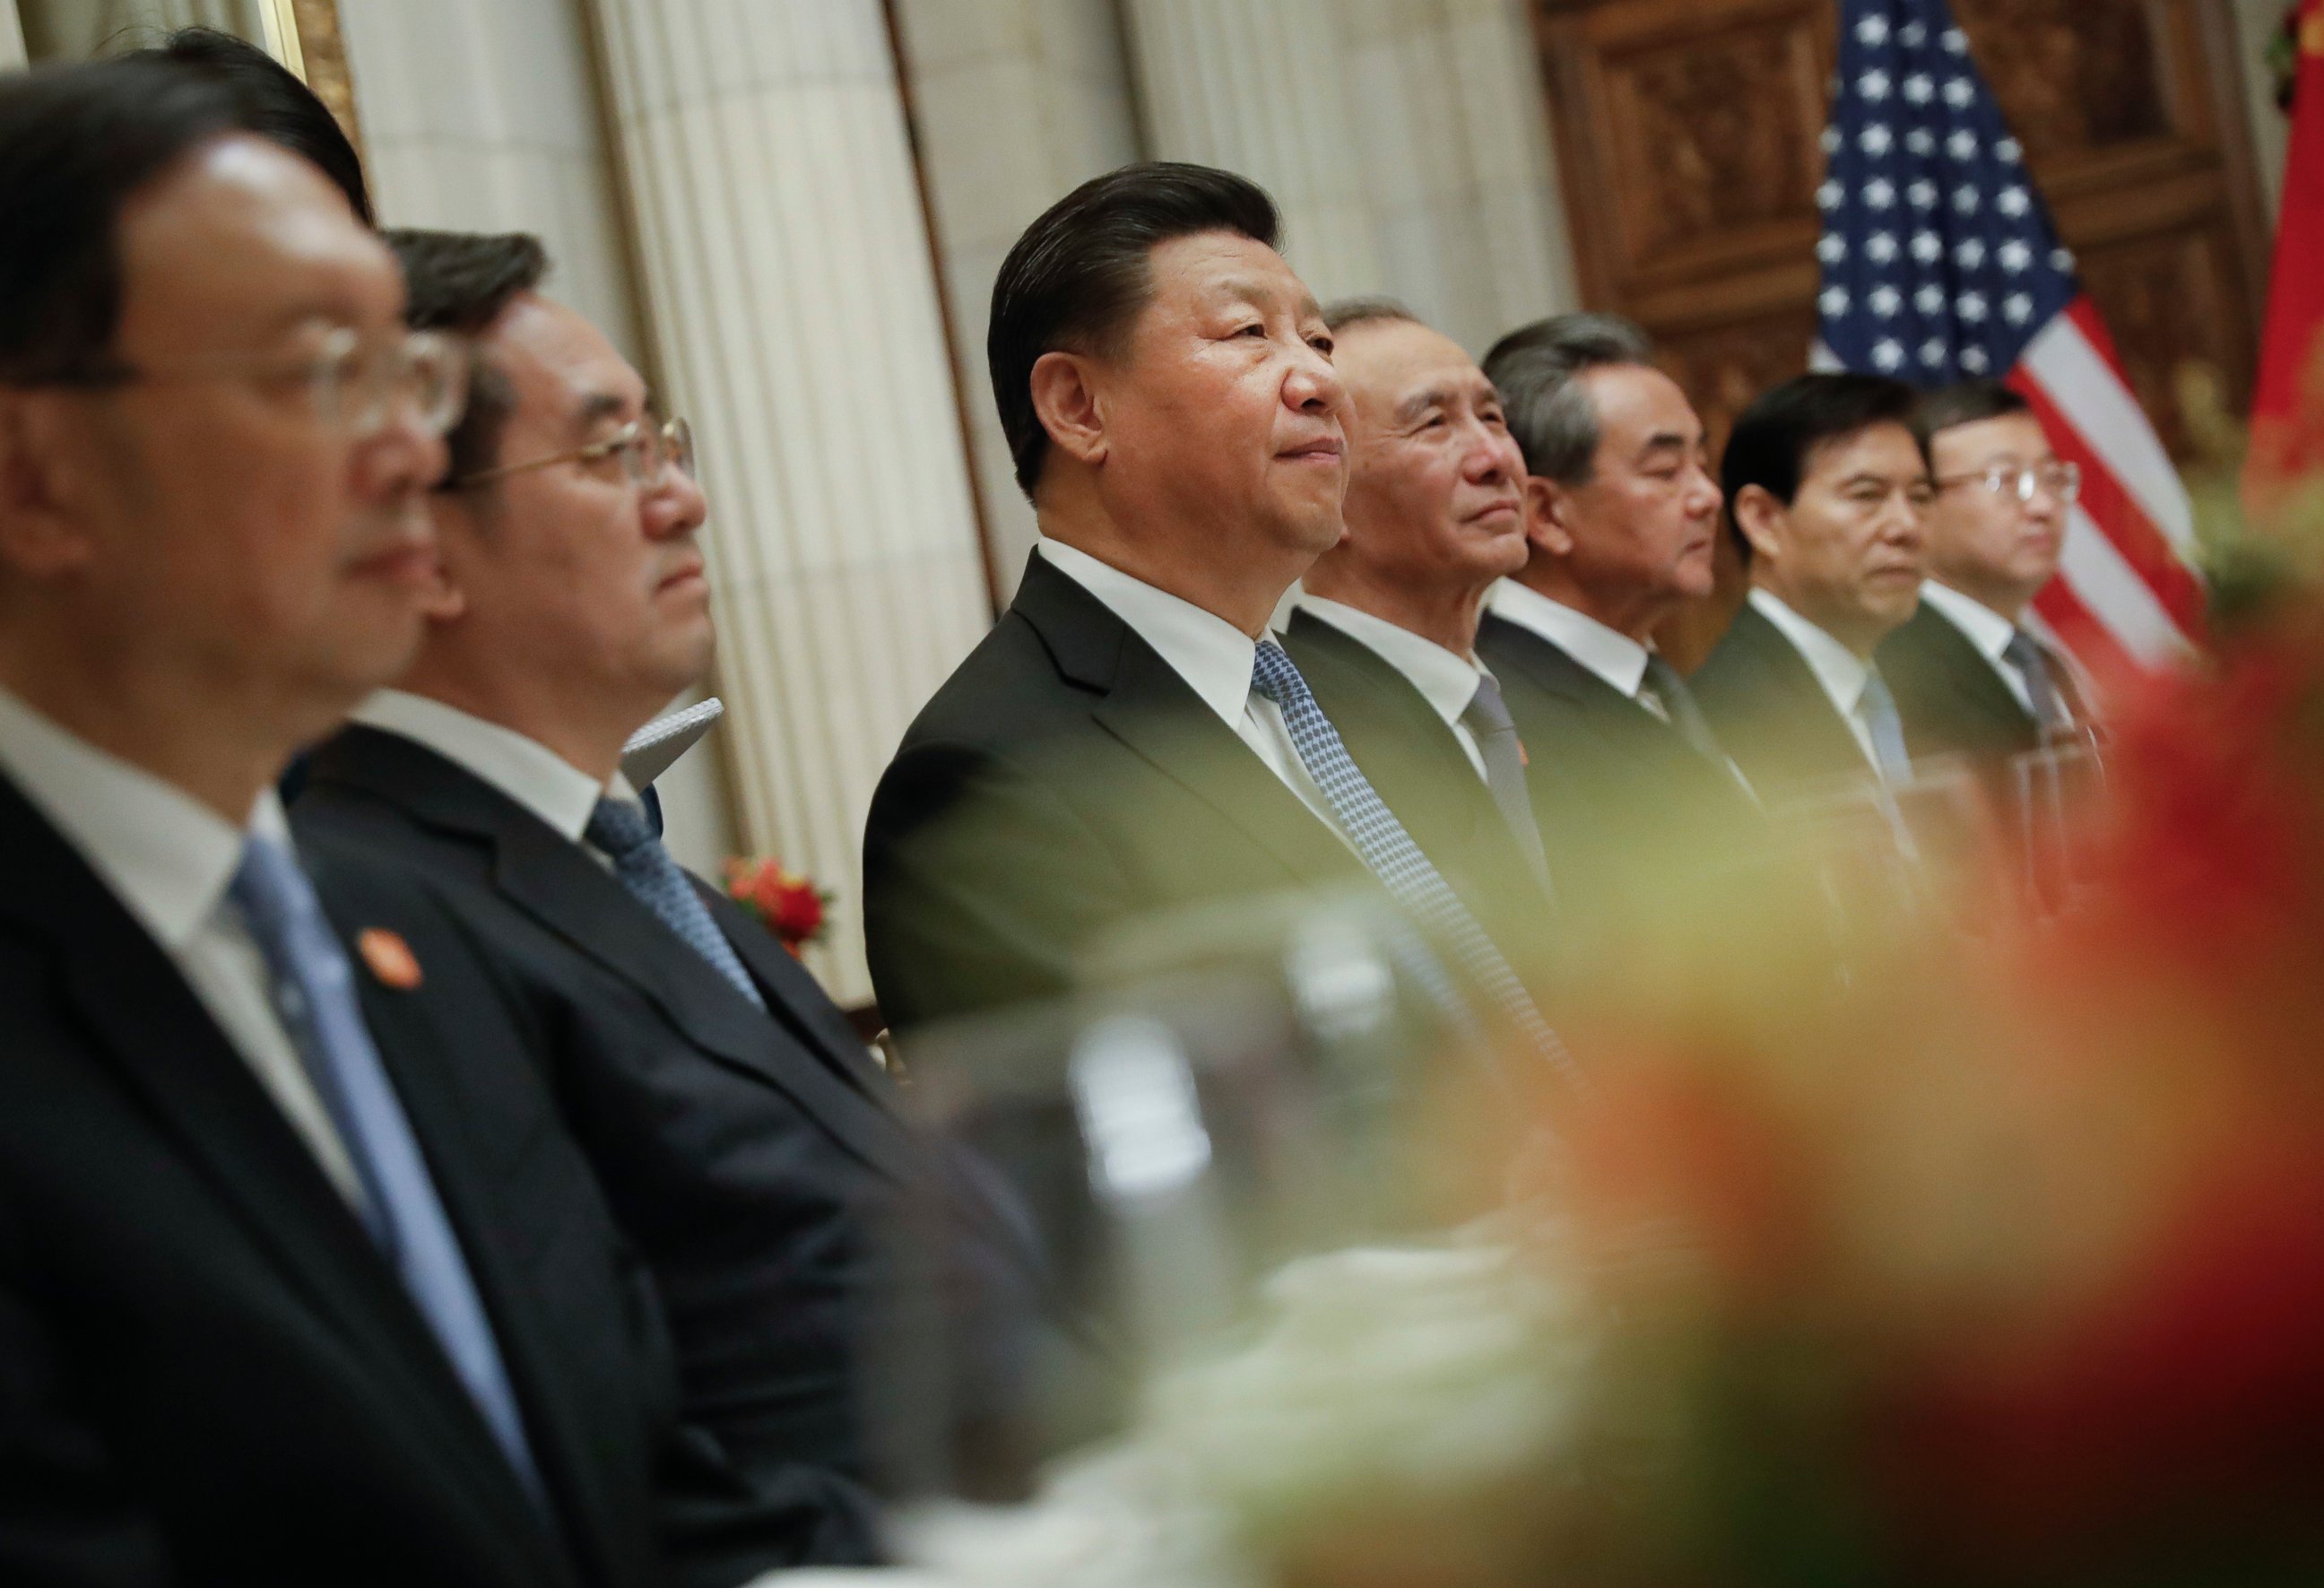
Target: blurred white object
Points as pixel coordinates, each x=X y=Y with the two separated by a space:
x=654 y=748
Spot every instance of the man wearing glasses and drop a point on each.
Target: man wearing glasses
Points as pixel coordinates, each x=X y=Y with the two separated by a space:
x=742 y=1130
x=1969 y=678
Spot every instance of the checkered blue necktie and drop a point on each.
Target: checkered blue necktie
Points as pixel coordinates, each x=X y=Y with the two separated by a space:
x=313 y=992
x=622 y=830
x=1410 y=877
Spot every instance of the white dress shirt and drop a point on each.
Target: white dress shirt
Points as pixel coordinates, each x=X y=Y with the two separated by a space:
x=1984 y=628
x=168 y=859
x=524 y=769
x=1446 y=680
x=1610 y=654
x=1211 y=654
x=1840 y=670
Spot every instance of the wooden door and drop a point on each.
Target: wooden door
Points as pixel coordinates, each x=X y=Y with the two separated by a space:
x=1688 y=138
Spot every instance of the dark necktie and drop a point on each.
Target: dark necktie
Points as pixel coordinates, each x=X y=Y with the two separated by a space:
x=1662 y=688
x=1411 y=878
x=2050 y=713
x=623 y=832
x=312 y=989
x=1487 y=718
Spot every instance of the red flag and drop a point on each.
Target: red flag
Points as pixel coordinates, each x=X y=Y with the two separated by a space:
x=2288 y=408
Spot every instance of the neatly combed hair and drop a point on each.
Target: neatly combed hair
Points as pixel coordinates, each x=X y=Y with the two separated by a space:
x=1776 y=439
x=1342 y=312
x=77 y=144
x=462 y=282
x=273 y=103
x=1079 y=276
x=1967 y=402
x=1537 y=371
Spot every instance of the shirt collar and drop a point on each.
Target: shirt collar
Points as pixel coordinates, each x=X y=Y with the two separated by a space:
x=165 y=855
x=1211 y=654
x=1612 y=655
x=1983 y=627
x=1446 y=680
x=1835 y=665
x=524 y=769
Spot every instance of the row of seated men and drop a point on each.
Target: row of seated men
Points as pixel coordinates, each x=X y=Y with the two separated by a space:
x=438 y=1183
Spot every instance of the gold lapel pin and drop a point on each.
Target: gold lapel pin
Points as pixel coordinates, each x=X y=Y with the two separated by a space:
x=389 y=957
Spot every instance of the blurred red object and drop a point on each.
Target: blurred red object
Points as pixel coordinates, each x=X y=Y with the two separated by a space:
x=788 y=904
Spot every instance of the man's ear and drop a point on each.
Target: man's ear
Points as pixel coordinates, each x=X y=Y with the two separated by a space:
x=1547 y=505
x=456 y=530
x=1066 y=400
x=1761 y=519
x=41 y=534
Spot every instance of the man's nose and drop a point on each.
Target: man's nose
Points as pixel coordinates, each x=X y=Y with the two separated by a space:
x=674 y=504
x=1492 y=457
x=1704 y=497
x=1311 y=384
x=405 y=453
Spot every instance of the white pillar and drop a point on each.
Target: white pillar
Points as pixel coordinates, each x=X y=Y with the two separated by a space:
x=791 y=302
x=1018 y=102
x=12 y=37
x=1405 y=142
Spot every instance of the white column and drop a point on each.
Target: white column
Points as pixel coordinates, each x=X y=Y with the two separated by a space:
x=791 y=303
x=12 y=37
x=1405 y=142
x=1018 y=102
x=1256 y=87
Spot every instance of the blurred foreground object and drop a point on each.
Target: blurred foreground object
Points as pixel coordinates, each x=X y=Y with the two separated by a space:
x=2288 y=404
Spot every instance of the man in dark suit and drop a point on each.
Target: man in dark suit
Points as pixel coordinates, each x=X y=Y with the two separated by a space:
x=1128 y=739
x=745 y=1133
x=1828 y=487
x=1621 y=512
x=299 y=1279
x=1969 y=678
x=1385 y=625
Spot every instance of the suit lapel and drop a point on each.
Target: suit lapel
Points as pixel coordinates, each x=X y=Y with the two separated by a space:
x=1140 y=699
x=1624 y=727
x=1810 y=713
x=172 y=1057
x=1975 y=687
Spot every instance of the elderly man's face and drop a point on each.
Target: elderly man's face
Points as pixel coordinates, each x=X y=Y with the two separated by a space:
x=1436 y=491
x=229 y=520
x=592 y=576
x=1224 y=407
x=1645 y=523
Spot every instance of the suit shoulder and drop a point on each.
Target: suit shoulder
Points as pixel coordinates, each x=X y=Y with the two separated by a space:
x=1006 y=689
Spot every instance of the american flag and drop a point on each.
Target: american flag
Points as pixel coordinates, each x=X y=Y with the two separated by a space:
x=1940 y=263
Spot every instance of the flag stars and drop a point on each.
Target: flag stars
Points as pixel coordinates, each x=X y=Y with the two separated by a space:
x=1830 y=195
x=1962 y=144
x=1955 y=41
x=1934 y=352
x=1921 y=141
x=1919 y=88
x=2017 y=307
x=1972 y=307
x=1873 y=31
x=1912 y=35
x=1831 y=248
x=1874 y=86
x=2010 y=150
x=1880 y=193
x=1876 y=139
x=1959 y=93
x=1880 y=247
x=1889 y=353
x=2014 y=202
x=1967 y=200
x=1831 y=140
x=1833 y=301
x=1973 y=359
x=1886 y=302
x=2061 y=260
x=2016 y=257
x=1923 y=194
x=1968 y=253
x=1929 y=298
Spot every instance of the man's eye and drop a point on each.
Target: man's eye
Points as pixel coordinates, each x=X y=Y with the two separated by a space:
x=1322 y=345
x=1253 y=330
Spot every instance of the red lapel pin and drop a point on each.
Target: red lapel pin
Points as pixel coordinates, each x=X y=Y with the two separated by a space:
x=389 y=957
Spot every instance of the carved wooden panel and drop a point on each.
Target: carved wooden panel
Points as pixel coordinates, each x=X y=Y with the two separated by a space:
x=2076 y=75
x=2168 y=299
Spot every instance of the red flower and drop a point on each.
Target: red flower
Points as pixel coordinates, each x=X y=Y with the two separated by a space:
x=788 y=904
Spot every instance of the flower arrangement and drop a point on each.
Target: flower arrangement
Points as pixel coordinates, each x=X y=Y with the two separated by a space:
x=788 y=904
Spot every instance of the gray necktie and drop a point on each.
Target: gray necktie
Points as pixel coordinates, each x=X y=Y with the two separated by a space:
x=2023 y=652
x=1886 y=727
x=1487 y=717
x=645 y=868
x=1411 y=878
x=1666 y=689
x=312 y=989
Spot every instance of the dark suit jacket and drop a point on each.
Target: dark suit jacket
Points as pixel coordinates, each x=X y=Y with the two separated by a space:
x=1415 y=763
x=1766 y=707
x=753 y=1157
x=209 y=1375
x=1063 y=782
x=1612 y=784
x=1950 y=698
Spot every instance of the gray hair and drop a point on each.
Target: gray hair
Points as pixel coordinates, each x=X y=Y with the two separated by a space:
x=1342 y=312
x=1535 y=368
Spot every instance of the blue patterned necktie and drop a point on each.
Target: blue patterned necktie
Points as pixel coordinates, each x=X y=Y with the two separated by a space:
x=1487 y=717
x=645 y=868
x=2051 y=714
x=1411 y=878
x=1885 y=728
x=312 y=988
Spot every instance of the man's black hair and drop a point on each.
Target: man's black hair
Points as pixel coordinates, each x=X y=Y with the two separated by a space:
x=1079 y=276
x=462 y=282
x=1967 y=402
x=77 y=143
x=1774 y=440
x=272 y=102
